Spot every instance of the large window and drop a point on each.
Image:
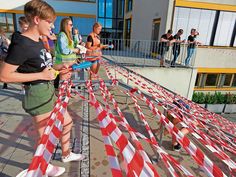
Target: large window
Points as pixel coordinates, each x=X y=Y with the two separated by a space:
x=227 y=80
x=127 y=28
x=129 y=5
x=235 y=41
x=208 y=24
x=211 y=80
x=225 y=28
x=111 y=15
x=188 y=18
x=217 y=80
x=197 y=80
x=6 y=22
x=234 y=81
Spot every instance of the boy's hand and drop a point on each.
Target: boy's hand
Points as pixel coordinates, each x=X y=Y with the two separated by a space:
x=49 y=74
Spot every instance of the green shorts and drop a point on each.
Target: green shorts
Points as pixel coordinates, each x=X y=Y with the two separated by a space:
x=39 y=99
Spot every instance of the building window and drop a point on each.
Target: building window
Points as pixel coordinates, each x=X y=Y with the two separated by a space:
x=227 y=80
x=225 y=28
x=111 y=17
x=127 y=28
x=235 y=41
x=129 y=5
x=211 y=80
x=200 y=19
x=101 y=8
x=203 y=20
x=234 y=81
x=6 y=22
x=197 y=83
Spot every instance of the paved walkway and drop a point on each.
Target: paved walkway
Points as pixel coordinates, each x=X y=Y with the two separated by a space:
x=17 y=137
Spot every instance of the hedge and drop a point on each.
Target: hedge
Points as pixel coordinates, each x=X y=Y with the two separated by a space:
x=216 y=98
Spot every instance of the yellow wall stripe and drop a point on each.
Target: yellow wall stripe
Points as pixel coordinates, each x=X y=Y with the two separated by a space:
x=12 y=11
x=205 y=5
x=216 y=70
x=215 y=89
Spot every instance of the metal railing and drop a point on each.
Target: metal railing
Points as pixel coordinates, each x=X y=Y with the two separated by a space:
x=146 y=52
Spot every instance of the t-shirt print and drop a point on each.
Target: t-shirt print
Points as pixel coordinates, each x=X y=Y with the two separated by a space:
x=46 y=57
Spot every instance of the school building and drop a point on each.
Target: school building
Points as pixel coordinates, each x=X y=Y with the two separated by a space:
x=214 y=68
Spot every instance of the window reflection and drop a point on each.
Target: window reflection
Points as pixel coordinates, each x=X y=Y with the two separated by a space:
x=234 y=81
x=188 y=18
x=211 y=80
x=111 y=15
x=228 y=78
x=101 y=8
x=129 y=5
x=6 y=22
x=225 y=28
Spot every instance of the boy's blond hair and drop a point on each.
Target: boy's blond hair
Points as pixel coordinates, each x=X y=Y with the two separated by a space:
x=39 y=8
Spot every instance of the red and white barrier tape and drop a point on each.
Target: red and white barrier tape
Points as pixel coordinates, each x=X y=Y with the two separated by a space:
x=51 y=134
x=150 y=90
x=203 y=161
x=134 y=161
x=222 y=122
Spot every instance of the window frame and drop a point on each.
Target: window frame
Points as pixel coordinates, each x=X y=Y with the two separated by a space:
x=231 y=81
x=217 y=81
x=212 y=38
x=6 y=26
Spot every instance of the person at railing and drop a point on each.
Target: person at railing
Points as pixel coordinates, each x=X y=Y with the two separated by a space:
x=163 y=46
x=29 y=62
x=192 y=43
x=176 y=46
x=94 y=48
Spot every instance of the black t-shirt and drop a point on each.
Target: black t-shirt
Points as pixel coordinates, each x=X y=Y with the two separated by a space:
x=90 y=39
x=176 y=45
x=14 y=35
x=29 y=55
x=192 y=39
x=164 y=36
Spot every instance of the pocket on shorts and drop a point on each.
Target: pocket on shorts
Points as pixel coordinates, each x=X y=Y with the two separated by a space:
x=39 y=99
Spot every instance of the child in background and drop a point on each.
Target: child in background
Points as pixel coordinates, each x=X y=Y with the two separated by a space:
x=77 y=38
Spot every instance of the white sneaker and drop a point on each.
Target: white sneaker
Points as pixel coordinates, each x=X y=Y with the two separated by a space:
x=72 y=157
x=51 y=171
x=24 y=172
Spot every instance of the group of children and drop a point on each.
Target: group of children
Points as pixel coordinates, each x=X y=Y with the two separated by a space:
x=167 y=40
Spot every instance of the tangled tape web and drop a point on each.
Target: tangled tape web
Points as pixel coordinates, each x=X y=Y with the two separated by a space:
x=131 y=159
